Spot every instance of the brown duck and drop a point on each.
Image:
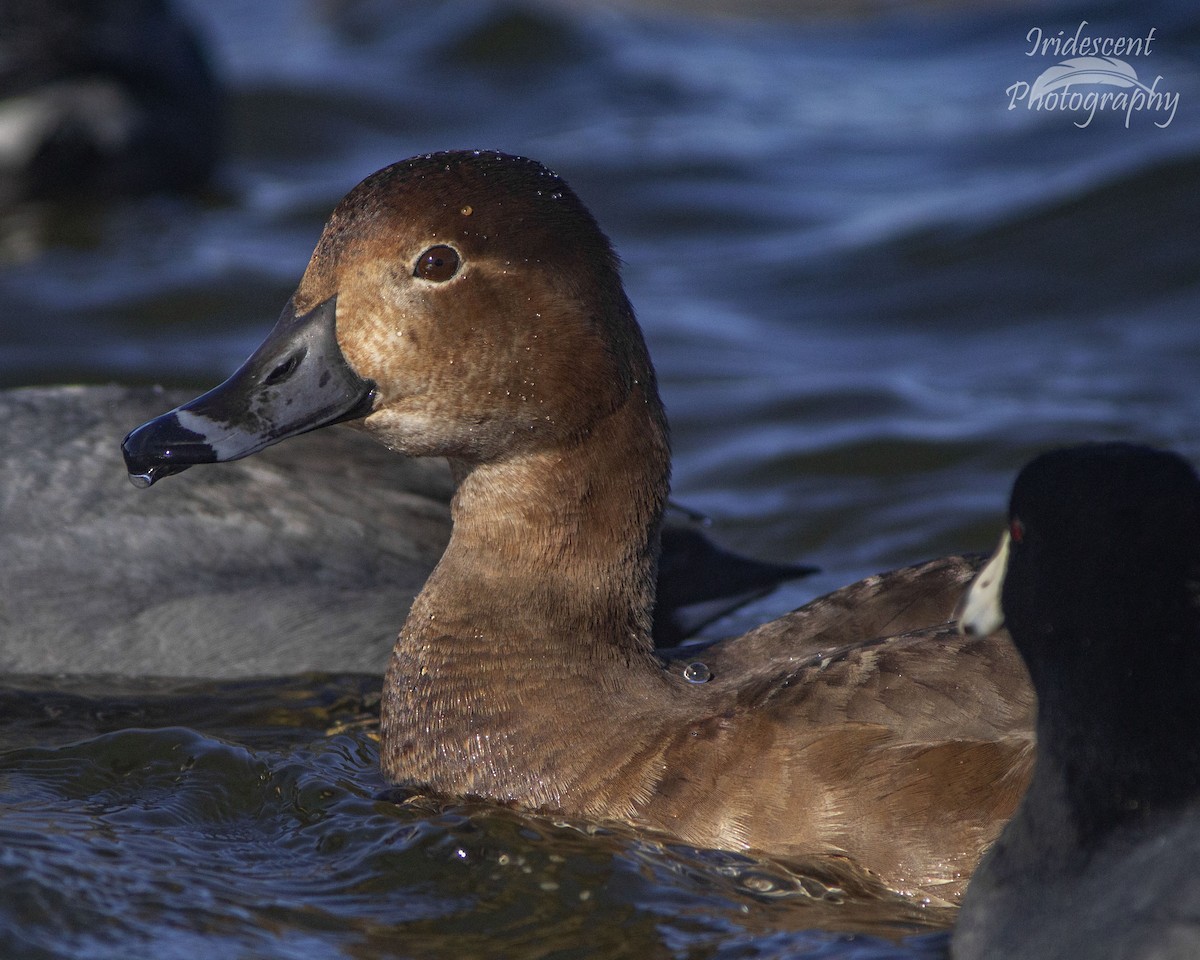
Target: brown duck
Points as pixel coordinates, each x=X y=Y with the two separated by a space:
x=466 y=305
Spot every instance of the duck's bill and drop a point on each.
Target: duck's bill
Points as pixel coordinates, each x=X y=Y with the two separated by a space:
x=296 y=381
x=979 y=612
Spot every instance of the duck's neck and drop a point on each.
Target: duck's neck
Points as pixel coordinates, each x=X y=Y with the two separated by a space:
x=537 y=614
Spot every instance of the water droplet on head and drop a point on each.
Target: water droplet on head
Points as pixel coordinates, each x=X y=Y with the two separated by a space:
x=697 y=672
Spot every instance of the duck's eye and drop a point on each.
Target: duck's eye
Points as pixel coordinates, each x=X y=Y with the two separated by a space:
x=438 y=264
x=1016 y=530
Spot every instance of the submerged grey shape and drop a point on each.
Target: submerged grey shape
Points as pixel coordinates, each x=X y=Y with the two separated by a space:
x=304 y=557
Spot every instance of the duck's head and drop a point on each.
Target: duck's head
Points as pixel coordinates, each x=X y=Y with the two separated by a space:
x=459 y=304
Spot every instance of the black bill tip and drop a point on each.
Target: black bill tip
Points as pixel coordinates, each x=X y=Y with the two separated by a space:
x=163 y=447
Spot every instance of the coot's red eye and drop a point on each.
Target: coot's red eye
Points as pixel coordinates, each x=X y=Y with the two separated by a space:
x=438 y=264
x=1016 y=530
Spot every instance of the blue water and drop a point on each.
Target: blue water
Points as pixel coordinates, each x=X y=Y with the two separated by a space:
x=871 y=291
